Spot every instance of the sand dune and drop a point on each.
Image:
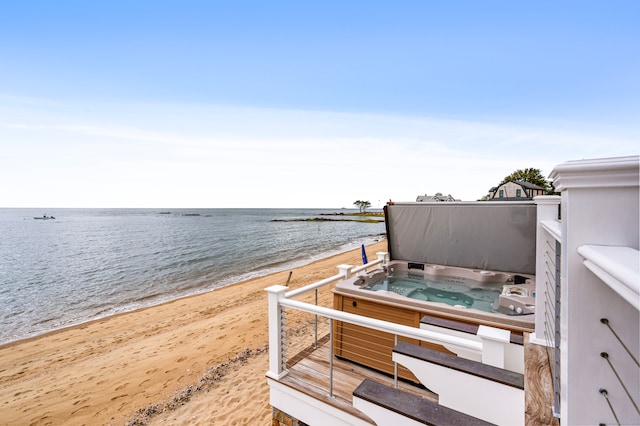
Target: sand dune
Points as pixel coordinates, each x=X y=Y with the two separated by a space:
x=197 y=360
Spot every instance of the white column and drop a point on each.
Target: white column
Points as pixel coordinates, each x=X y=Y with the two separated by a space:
x=276 y=332
x=547 y=210
x=599 y=207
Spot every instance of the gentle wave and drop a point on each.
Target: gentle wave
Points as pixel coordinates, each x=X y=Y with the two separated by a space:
x=91 y=263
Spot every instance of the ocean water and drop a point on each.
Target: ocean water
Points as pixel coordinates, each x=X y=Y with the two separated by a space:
x=91 y=263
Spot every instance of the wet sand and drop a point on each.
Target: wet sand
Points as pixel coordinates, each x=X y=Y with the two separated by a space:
x=196 y=360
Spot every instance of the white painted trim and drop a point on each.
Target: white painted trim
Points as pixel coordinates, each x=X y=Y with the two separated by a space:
x=494 y=341
x=618 y=267
x=307 y=409
x=599 y=173
x=550 y=200
x=513 y=353
x=275 y=376
x=274 y=294
x=533 y=338
x=478 y=397
x=548 y=234
x=381 y=415
x=553 y=227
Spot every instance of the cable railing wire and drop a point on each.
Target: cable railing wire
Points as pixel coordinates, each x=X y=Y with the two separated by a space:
x=557 y=304
x=605 y=321
x=364 y=347
x=605 y=356
x=353 y=341
x=605 y=394
x=549 y=337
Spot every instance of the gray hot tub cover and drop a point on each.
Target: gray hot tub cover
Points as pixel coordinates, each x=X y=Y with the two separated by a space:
x=498 y=236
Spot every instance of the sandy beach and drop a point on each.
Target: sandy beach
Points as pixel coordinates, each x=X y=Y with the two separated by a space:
x=196 y=360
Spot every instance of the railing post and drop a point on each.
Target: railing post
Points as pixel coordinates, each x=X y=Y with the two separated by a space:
x=330 y=358
x=345 y=271
x=547 y=210
x=277 y=333
x=382 y=256
x=494 y=341
x=600 y=200
x=395 y=364
x=315 y=327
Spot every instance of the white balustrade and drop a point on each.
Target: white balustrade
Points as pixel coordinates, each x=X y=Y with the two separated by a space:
x=278 y=299
x=599 y=314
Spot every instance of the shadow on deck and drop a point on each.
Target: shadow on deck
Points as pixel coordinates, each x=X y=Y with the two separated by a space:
x=309 y=374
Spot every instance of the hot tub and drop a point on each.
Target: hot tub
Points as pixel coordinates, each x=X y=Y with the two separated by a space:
x=404 y=292
x=487 y=297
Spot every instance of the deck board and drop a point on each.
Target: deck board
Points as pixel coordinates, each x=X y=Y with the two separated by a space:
x=310 y=375
x=538 y=385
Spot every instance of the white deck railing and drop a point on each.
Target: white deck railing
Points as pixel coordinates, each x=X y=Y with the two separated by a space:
x=599 y=318
x=279 y=298
x=548 y=306
x=587 y=294
x=548 y=241
x=617 y=269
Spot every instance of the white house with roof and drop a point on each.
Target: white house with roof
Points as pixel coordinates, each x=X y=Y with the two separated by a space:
x=435 y=198
x=515 y=190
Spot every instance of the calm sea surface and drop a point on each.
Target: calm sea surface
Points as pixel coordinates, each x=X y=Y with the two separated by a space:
x=91 y=263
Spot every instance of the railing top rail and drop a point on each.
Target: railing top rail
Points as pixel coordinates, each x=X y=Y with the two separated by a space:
x=553 y=227
x=618 y=267
x=373 y=263
x=330 y=280
x=313 y=286
x=389 y=327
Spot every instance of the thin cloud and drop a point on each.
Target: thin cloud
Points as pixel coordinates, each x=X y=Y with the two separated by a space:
x=203 y=155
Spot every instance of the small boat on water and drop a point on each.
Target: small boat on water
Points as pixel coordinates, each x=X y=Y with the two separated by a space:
x=45 y=217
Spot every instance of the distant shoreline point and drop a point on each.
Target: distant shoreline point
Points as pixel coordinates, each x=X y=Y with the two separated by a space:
x=342 y=219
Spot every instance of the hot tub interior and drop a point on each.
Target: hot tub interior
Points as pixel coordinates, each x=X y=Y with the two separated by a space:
x=405 y=293
x=486 y=291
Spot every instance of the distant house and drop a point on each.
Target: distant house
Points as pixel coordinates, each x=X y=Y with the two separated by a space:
x=435 y=198
x=515 y=191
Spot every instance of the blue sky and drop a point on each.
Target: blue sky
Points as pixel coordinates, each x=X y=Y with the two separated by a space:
x=305 y=104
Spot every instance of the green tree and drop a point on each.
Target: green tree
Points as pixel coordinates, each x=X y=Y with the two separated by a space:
x=530 y=175
x=362 y=205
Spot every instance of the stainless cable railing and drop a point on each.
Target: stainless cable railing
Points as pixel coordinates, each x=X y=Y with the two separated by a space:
x=310 y=320
x=615 y=363
x=606 y=357
x=615 y=341
x=551 y=259
x=605 y=321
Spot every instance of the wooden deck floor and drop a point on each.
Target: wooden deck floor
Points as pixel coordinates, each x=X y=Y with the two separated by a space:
x=309 y=374
x=538 y=385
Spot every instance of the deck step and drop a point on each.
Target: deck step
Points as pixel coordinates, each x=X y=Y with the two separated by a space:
x=489 y=393
x=463 y=327
x=386 y=405
x=475 y=368
x=513 y=355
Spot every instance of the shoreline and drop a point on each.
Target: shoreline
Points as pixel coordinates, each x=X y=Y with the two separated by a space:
x=231 y=280
x=111 y=370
